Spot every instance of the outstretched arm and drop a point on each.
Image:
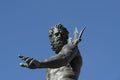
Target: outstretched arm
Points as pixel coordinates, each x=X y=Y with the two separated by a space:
x=61 y=59
x=64 y=57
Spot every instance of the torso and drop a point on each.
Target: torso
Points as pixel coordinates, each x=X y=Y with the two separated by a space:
x=68 y=72
x=61 y=73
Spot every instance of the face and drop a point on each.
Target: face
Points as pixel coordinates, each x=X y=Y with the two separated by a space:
x=58 y=35
x=58 y=39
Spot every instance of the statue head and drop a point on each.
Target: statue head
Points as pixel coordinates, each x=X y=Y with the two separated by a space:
x=58 y=36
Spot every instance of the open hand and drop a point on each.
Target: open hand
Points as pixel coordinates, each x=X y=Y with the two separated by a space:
x=29 y=62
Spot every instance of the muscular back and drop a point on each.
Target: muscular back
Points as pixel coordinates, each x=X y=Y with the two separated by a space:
x=70 y=71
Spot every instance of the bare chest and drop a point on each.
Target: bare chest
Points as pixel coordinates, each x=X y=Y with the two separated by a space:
x=62 y=73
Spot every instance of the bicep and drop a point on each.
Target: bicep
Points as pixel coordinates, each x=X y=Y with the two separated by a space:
x=69 y=53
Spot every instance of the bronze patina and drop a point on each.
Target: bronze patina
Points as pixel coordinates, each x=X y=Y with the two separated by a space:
x=66 y=63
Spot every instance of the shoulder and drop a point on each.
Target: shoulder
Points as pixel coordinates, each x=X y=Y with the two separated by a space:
x=69 y=47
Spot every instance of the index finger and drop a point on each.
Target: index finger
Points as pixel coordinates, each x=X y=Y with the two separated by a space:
x=23 y=57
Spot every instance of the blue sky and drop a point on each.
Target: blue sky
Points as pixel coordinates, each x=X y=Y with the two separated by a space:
x=24 y=26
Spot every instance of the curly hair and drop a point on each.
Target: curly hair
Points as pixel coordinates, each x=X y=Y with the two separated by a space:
x=58 y=26
x=54 y=45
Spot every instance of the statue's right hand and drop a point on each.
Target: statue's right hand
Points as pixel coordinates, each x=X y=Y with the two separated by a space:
x=29 y=62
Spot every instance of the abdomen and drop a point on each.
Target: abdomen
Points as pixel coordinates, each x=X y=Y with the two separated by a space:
x=62 y=73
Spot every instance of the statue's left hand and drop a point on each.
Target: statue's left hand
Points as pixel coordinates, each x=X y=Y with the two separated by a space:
x=30 y=62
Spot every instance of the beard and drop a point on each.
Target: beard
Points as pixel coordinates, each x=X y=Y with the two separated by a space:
x=57 y=45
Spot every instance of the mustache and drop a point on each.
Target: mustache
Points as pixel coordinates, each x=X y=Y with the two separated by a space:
x=59 y=39
x=57 y=43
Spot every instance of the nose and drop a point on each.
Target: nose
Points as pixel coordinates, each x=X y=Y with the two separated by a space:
x=59 y=35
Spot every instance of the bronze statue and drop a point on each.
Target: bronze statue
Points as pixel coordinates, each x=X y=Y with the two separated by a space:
x=67 y=62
